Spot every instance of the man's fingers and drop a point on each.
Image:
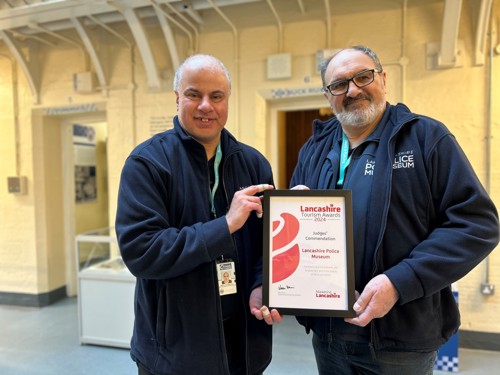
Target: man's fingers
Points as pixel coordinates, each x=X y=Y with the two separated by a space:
x=277 y=318
x=263 y=187
x=300 y=187
x=265 y=311
x=254 y=189
x=270 y=317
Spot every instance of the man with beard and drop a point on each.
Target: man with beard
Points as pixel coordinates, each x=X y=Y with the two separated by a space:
x=421 y=221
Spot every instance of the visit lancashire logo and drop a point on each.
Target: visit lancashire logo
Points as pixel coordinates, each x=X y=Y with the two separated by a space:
x=285 y=249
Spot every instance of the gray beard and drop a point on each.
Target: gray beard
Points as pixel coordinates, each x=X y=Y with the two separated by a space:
x=361 y=117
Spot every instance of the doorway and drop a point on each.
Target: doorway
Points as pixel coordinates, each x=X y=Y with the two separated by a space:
x=274 y=120
x=298 y=129
x=85 y=181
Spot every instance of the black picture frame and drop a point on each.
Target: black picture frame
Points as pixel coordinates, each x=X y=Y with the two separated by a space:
x=315 y=275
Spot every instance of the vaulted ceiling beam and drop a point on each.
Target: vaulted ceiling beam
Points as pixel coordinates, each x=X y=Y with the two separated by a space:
x=18 y=55
x=483 y=18
x=142 y=43
x=169 y=38
x=87 y=42
x=447 y=56
x=36 y=26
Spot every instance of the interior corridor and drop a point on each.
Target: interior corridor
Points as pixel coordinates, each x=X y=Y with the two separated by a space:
x=44 y=341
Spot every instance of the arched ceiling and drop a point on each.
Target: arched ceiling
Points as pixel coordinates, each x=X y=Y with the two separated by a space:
x=47 y=22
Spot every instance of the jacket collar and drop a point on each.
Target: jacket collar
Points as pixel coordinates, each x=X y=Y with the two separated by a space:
x=229 y=142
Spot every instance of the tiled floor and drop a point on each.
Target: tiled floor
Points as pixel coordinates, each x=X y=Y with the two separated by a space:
x=45 y=341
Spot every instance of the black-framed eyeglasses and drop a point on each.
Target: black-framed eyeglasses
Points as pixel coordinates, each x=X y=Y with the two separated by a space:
x=360 y=79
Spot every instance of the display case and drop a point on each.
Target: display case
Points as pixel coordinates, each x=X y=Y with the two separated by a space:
x=105 y=290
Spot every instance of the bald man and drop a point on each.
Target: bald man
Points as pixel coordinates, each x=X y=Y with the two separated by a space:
x=188 y=210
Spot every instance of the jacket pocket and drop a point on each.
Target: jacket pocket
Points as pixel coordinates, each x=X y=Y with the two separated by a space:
x=161 y=316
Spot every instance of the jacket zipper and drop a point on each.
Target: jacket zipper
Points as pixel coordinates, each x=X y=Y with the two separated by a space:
x=237 y=262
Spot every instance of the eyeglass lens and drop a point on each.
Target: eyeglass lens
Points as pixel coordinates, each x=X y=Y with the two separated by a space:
x=360 y=79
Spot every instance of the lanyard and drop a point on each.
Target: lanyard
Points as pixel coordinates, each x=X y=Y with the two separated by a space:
x=345 y=159
x=218 y=158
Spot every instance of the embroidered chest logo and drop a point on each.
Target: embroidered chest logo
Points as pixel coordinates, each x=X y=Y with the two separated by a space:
x=404 y=159
x=369 y=167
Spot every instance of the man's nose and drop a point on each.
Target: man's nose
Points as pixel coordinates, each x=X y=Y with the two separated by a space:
x=351 y=87
x=205 y=104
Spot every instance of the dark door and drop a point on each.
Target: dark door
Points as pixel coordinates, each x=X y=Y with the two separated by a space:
x=298 y=130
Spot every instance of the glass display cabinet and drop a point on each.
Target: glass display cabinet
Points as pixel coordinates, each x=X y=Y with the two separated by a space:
x=105 y=290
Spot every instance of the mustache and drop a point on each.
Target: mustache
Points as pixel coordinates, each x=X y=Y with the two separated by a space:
x=348 y=100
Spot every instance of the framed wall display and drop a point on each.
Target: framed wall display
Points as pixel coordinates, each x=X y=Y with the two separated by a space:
x=84 y=157
x=308 y=252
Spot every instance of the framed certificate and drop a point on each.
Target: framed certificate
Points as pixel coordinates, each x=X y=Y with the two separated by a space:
x=308 y=252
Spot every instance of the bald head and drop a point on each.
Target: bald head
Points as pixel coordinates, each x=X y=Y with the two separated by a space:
x=200 y=62
x=202 y=90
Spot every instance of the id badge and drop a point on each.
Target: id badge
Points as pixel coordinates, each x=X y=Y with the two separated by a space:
x=227 y=276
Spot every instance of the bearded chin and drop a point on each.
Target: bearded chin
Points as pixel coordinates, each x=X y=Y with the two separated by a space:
x=361 y=117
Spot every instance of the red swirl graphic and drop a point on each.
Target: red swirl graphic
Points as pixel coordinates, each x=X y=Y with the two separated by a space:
x=285 y=263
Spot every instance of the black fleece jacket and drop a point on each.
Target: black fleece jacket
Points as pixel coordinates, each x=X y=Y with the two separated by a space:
x=170 y=242
x=429 y=223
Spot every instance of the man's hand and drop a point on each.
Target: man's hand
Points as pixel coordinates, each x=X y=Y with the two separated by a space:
x=300 y=187
x=243 y=203
x=262 y=312
x=378 y=297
